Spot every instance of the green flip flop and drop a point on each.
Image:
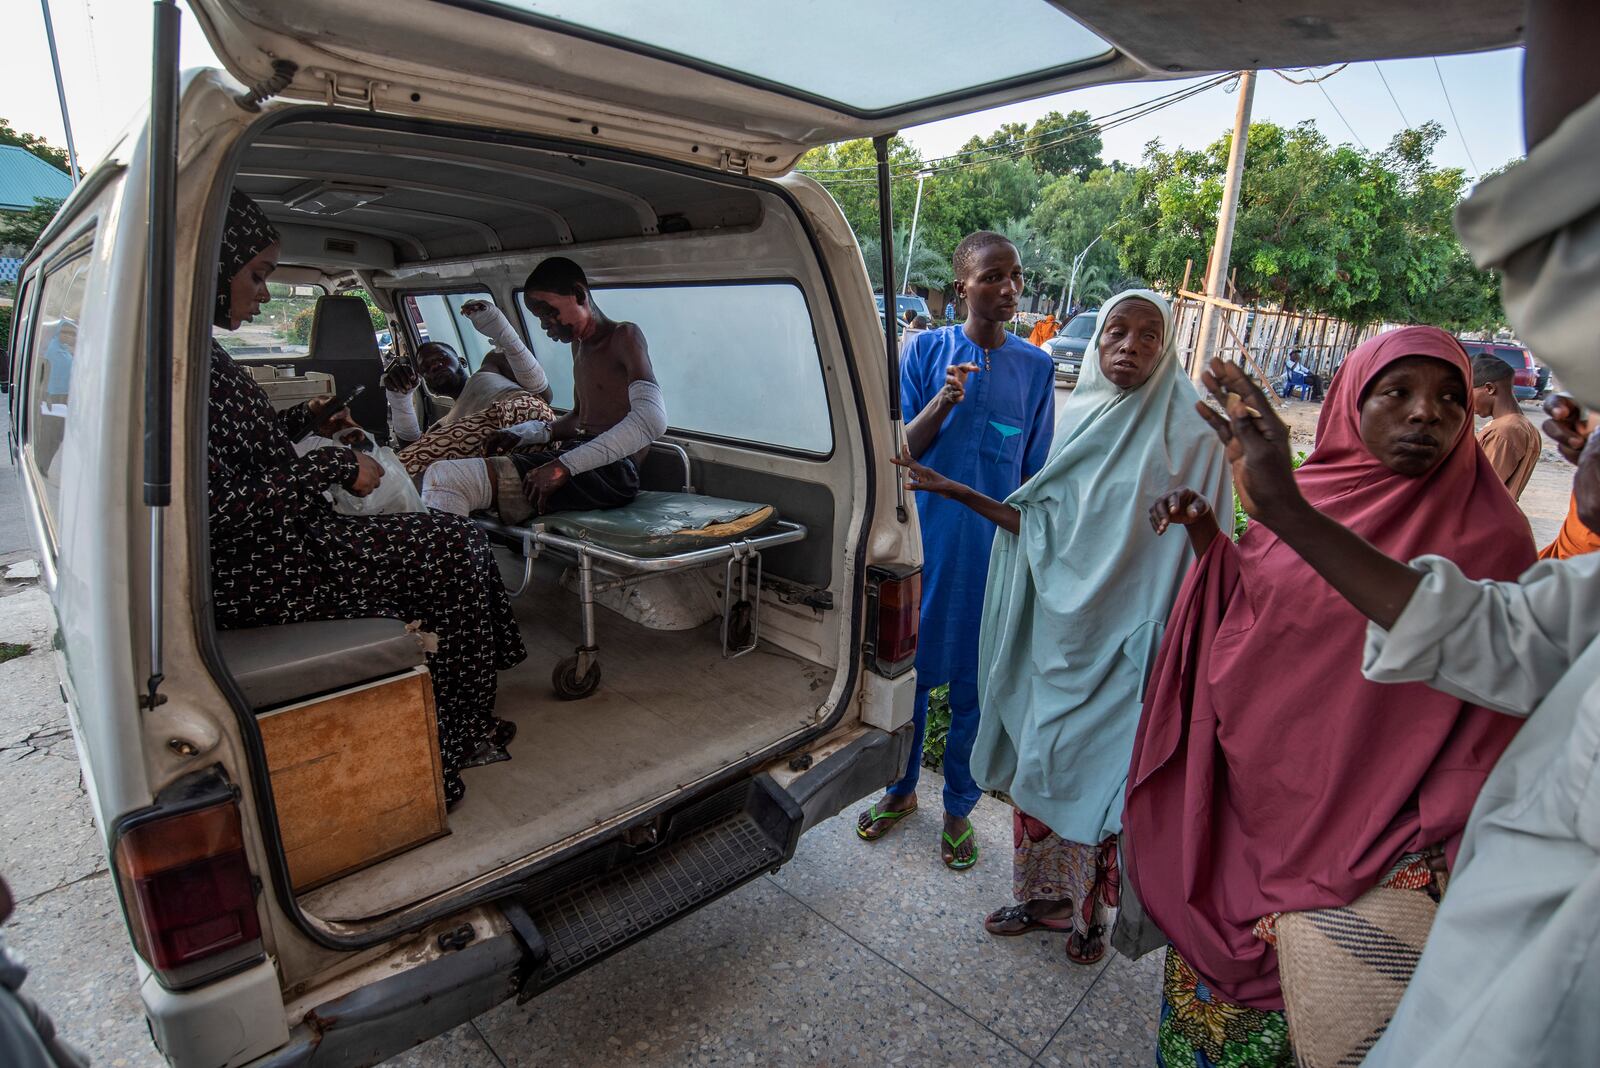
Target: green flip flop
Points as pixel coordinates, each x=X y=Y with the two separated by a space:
x=875 y=816
x=955 y=863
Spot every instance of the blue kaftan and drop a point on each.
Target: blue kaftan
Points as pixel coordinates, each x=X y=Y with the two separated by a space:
x=993 y=441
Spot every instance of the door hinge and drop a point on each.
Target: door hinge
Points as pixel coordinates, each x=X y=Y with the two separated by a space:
x=735 y=162
x=350 y=92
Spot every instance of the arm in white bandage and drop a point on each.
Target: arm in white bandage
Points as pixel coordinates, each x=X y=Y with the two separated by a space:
x=645 y=422
x=489 y=321
x=403 y=416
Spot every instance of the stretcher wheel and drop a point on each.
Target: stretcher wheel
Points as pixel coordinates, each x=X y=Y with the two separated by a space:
x=567 y=684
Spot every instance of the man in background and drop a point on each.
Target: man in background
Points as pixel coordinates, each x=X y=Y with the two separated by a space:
x=1509 y=440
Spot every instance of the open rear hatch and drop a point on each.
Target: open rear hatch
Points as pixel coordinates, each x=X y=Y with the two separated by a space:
x=750 y=86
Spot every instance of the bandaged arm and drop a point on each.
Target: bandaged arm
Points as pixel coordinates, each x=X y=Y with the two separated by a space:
x=491 y=322
x=403 y=416
x=645 y=422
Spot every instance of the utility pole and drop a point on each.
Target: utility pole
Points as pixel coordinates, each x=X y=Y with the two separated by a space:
x=61 y=92
x=911 y=243
x=1222 y=249
x=1070 y=288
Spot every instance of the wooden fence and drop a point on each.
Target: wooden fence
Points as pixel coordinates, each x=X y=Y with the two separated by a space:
x=1261 y=338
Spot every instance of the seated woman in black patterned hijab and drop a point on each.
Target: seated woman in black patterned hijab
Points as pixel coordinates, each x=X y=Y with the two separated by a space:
x=280 y=554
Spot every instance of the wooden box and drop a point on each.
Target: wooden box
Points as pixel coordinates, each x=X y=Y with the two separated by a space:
x=355 y=776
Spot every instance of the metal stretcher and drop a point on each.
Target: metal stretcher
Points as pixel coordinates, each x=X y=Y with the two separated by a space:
x=609 y=560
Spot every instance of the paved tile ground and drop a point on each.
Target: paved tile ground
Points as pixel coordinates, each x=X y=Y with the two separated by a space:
x=851 y=955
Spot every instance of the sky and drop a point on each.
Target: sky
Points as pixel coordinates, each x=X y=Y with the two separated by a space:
x=105 y=53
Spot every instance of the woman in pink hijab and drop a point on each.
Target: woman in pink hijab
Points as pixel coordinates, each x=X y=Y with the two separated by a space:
x=1268 y=775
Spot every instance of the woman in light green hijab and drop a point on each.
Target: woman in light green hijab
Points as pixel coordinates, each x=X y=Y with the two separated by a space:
x=1079 y=590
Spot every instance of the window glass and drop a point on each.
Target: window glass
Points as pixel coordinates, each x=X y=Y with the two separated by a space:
x=723 y=354
x=438 y=317
x=22 y=322
x=836 y=50
x=55 y=343
x=1082 y=325
x=281 y=330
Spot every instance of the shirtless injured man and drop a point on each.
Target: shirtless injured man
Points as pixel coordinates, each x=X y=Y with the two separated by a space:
x=588 y=458
x=509 y=388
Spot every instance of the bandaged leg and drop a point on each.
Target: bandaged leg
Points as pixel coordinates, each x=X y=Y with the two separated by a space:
x=459 y=487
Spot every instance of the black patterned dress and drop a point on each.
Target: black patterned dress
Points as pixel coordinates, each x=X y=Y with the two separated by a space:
x=280 y=554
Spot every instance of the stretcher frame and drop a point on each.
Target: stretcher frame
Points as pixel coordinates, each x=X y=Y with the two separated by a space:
x=602 y=568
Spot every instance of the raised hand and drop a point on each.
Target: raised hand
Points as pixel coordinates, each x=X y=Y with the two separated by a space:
x=955 y=381
x=401 y=377
x=926 y=479
x=1181 y=506
x=1190 y=510
x=1256 y=442
x=1565 y=426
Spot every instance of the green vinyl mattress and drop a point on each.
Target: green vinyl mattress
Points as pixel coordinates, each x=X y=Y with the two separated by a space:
x=662 y=524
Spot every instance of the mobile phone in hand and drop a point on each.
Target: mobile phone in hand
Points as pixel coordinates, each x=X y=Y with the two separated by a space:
x=342 y=403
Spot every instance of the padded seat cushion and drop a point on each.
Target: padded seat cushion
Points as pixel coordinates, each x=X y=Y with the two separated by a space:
x=656 y=523
x=290 y=661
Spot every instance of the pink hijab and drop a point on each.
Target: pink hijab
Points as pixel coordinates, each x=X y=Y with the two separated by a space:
x=1268 y=775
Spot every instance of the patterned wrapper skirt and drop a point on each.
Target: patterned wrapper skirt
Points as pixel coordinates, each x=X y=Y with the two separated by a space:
x=1200 y=1029
x=1048 y=867
x=464 y=438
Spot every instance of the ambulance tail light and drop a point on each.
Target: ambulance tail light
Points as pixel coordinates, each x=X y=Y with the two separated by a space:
x=186 y=885
x=894 y=605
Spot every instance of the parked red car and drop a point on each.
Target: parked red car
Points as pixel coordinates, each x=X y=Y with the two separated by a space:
x=1526 y=381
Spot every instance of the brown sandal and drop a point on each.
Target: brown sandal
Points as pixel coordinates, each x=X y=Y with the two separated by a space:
x=1016 y=920
x=1094 y=935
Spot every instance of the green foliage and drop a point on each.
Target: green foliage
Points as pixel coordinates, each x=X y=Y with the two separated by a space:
x=5 y=328
x=56 y=157
x=928 y=268
x=1240 y=519
x=1055 y=144
x=24 y=227
x=380 y=321
x=1071 y=213
x=13 y=651
x=938 y=729
x=1364 y=236
x=299 y=331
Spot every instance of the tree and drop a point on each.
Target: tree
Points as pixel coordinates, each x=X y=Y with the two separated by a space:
x=1072 y=213
x=1055 y=144
x=24 y=227
x=929 y=268
x=1364 y=236
x=37 y=145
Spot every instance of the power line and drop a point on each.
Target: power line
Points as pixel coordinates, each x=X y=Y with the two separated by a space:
x=1026 y=141
x=1310 y=81
x=1339 y=113
x=1396 y=99
x=1094 y=129
x=1460 y=130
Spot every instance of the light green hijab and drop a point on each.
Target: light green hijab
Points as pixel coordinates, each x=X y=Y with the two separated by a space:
x=1077 y=600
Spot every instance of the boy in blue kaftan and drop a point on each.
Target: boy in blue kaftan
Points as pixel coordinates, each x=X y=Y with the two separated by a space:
x=980 y=405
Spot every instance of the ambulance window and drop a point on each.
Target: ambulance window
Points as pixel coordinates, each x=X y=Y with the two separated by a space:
x=54 y=349
x=735 y=360
x=281 y=330
x=438 y=317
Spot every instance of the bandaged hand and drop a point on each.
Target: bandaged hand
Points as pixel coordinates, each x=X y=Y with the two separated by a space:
x=512 y=438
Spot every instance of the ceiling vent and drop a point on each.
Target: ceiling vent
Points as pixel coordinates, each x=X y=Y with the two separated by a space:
x=331 y=198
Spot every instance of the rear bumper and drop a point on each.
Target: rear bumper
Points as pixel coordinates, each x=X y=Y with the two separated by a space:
x=393 y=1014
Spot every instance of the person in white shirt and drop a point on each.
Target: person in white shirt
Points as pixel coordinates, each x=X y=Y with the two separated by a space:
x=510 y=368
x=1512 y=962
x=510 y=388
